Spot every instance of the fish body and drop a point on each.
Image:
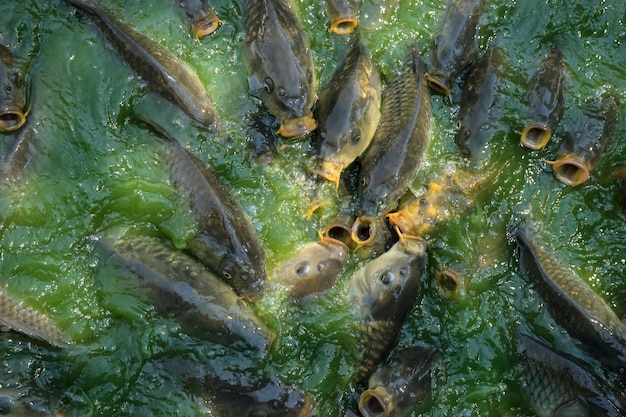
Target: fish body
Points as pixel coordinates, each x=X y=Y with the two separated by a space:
x=573 y=304
x=15 y=316
x=478 y=112
x=281 y=66
x=226 y=241
x=384 y=290
x=14 y=91
x=204 y=20
x=560 y=386
x=454 y=46
x=546 y=100
x=16 y=404
x=179 y=287
x=581 y=151
x=398 y=387
x=343 y=15
x=348 y=113
x=162 y=71
x=16 y=155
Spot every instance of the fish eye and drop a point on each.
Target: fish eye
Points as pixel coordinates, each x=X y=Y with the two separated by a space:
x=6 y=405
x=227 y=275
x=357 y=137
x=17 y=79
x=268 y=85
x=303 y=268
x=387 y=277
x=322 y=266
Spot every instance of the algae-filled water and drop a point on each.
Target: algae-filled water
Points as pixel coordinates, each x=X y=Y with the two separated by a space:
x=93 y=168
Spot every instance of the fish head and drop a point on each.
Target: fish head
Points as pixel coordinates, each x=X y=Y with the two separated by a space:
x=13 y=94
x=245 y=280
x=205 y=25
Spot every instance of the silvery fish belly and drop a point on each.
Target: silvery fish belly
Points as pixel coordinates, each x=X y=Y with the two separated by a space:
x=204 y=20
x=14 y=106
x=348 y=112
x=180 y=287
x=280 y=64
x=383 y=292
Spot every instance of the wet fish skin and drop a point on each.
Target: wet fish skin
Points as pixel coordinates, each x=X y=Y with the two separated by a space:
x=204 y=20
x=383 y=291
x=280 y=64
x=163 y=72
x=15 y=404
x=572 y=303
x=14 y=92
x=546 y=101
x=178 y=286
x=226 y=241
x=560 y=386
x=343 y=15
x=348 y=113
x=454 y=47
x=16 y=155
x=400 y=385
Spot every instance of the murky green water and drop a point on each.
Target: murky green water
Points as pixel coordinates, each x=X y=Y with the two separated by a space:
x=93 y=169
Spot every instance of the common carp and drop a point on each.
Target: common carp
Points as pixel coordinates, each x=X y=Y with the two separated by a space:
x=581 y=151
x=226 y=241
x=204 y=20
x=281 y=67
x=179 y=287
x=15 y=316
x=14 y=403
x=162 y=71
x=348 y=112
x=397 y=388
x=383 y=291
x=17 y=155
x=479 y=107
x=340 y=228
x=343 y=15
x=313 y=268
x=561 y=386
x=14 y=91
x=454 y=47
x=546 y=98
x=573 y=304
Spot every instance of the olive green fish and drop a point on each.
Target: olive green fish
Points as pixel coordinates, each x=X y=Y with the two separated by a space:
x=343 y=15
x=281 y=67
x=14 y=91
x=399 y=387
x=383 y=291
x=204 y=20
x=14 y=403
x=162 y=71
x=572 y=303
x=454 y=47
x=546 y=100
x=557 y=385
x=348 y=112
x=180 y=287
x=15 y=316
x=226 y=241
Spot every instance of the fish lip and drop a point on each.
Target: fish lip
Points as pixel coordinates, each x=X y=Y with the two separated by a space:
x=363 y=224
x=342 y=247
x=570 y=169
x=376 y=402
x=401 y=221
x=205 y=25
x=297 y=126
x=539 y=137
x=11 y=118
x=343 y=25
x=328 y=170
x=439 y=82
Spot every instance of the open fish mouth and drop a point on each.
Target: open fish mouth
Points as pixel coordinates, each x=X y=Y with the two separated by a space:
x=328 y=170
x=11 y=118
x=206 y=25
x=570 y=170
x=376 y=402
x=439 y=83
x=343 y=25
x=535 y=136
x=291 y=128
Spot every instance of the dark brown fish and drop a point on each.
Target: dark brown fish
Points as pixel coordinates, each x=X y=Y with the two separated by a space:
x=180 y=287
x=383 y=291
x=343 y=15
x=204 y=20
x=573 y=304
x=581 y=151
x=455 y=44
x=348 y=112
x=397 y=388
x=281 y=67
x=163 y=72
x=14 y=106
x=546 y=99
x=226 y=241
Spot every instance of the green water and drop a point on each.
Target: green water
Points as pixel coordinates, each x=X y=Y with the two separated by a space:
x=93 y=169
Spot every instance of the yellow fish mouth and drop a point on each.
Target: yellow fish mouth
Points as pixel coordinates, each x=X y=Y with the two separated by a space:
x=11 y=119
x=328 y=170
x=206 y=25
x=571 y=170
x=535 y=136
x=376 y=402
x=343 y=25
x=291 y=128
x=439 y=83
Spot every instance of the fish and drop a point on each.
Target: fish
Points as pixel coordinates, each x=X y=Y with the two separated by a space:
x=398 y=388
x=444 y=196
x=454 y=46
x=278 y=55
x=17 y=155
x=558 y=385
x=15 y=316
x=204 y=20
x=450 y=283
x=572 y=303
x=581 y=151
x=161 y=70
x=546 y=101
x=479 y=109
x=14 y=403
x=225 y=241
x=383 y=292
x=340 y=228
x=371 y=236
x=180 y=287
x=313 y=268
x=343 y=15
x=348 y=112
x=14 y=92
